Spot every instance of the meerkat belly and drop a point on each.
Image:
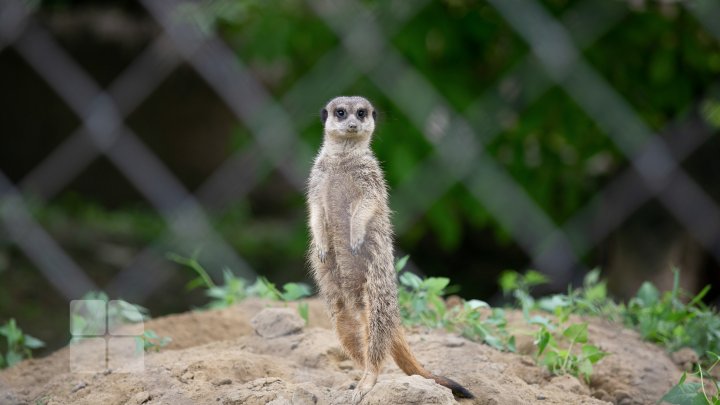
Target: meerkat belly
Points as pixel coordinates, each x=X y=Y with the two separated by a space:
x=340 y=197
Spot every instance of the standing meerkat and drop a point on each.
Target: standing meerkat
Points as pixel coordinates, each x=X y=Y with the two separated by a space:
x=351 y=252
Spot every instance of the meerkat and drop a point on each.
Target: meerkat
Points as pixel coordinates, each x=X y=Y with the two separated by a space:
x=351 y=251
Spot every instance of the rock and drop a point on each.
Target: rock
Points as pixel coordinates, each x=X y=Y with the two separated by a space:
x=221 y=381
x=685 y=358
x=79 y=386
x=568 y=383
x=280 y=401
x=265 y=391
x=140 y=398
x=408 y=390
x=276 y=322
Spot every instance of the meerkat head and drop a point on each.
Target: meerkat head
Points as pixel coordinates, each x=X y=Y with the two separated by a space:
x=348 y=118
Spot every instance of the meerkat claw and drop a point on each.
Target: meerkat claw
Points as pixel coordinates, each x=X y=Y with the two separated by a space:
x=322 y=255
x=355 y=249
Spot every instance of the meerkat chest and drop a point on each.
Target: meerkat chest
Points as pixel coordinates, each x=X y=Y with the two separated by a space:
x=343 y=183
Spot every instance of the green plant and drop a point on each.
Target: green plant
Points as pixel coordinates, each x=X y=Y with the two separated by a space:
x=563 y=360
x=675 y=319
x=694 y=393
x=567 y=352
x=519 y=285
x=304 y=311
x=18 y=345
x=235 y=289
x=91 y=314
x=590 y=299
x=421 y=304
x=150 y=341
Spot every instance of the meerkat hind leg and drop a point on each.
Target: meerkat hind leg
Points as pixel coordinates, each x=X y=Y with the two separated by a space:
x=348 y=329
x=373 y=365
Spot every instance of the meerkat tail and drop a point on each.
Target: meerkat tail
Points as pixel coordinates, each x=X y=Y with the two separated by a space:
x=410 y=365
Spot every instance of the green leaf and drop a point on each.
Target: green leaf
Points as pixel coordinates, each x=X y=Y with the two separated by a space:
x=593 y=353
x=550 y=304
x=684 y=393
x=410 y=280
x=533 y=278
x=304 y=311
x=475 y=304
x=150 y=334
x=541 y=320
x=710 y=110
x=511 y=346
x=585 y=368
x=577 y=332
x=494 y=342
x=436 y=285
x=591 y=278
x=195 y=283
x=33 y=342
x=508 y=281
x=597 y=292
x=542 y=341
x=400 y=264
x=648 y=295
x=12 y=358
x=295 y=291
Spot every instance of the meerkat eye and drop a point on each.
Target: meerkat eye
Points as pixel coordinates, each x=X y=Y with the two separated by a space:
x=361 y=113
x=340 y=112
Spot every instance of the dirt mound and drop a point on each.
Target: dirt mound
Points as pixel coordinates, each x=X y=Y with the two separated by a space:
x=216 y=357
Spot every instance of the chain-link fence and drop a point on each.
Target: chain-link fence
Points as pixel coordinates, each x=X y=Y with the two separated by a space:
x=459 y=158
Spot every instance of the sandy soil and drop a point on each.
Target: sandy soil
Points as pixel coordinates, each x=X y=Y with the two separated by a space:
x=218 y=357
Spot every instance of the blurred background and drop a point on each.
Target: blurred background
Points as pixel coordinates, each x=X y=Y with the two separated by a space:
x=558 y=135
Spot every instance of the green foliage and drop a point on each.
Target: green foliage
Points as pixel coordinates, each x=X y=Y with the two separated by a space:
x=421 y=304
x=18 y=345
x=694 y=393
x=555 y=351
x=547 y=143
x=304 y=311
x=674 y=319
x=590 y=299
x=150 y=341
x=563 y=360
x=519 y=286
x=92 y=314
x=235 y=289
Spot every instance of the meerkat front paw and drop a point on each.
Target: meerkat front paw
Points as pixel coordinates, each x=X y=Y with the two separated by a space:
x=322 y=246
x=355 y=246
x=322 y=255
x=356 y=241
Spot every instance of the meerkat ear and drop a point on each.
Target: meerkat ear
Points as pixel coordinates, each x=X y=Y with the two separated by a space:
x=374 y=115
x=323 y=115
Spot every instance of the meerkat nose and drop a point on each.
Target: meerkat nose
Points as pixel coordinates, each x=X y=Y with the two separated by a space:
x=352 y=125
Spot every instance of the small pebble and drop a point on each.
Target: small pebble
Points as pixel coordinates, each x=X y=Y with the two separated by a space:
x=79 y=386
x=222 y=381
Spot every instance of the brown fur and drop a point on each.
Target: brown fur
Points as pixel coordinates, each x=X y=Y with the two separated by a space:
x=351 y=250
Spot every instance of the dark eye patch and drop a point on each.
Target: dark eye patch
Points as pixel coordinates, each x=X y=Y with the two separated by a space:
x=362 y=113
x=340 y=113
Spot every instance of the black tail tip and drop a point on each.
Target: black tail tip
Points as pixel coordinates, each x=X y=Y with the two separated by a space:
x=458 y=390
x=461 y=392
